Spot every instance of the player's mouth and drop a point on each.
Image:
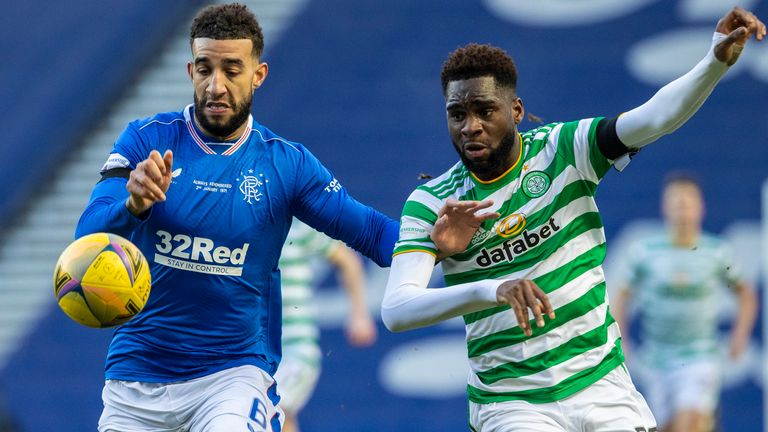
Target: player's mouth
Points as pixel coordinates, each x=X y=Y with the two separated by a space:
x=475 y=150
x=216 y=108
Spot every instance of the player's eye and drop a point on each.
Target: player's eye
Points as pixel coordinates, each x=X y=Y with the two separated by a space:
x=203 y=71
x=456 y=116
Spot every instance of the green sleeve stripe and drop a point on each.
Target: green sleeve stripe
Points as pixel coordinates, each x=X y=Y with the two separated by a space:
x=566 y=388
x=588 y=341
x=592 y=299
x=418 y=210
x=600 y=164
x=552 y=280
x=454 y=173
x=414 y=248
x=579 y=225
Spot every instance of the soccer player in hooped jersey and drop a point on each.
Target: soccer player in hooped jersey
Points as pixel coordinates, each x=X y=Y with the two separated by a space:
x=554 y=361
x=208 y=195
x=677 y=278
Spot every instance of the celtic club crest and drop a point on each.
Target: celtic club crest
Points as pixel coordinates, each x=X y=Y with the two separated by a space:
x=536 y=183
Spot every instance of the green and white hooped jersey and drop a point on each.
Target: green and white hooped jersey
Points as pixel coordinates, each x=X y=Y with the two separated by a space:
x=302 y=247
x=550 y=232
x=683 y=288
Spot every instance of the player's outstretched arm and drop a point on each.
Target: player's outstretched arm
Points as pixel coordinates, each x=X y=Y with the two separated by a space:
x=744 y=322
x=676 y=102
x=408 y=302
x=456 y=223
x=360 y=328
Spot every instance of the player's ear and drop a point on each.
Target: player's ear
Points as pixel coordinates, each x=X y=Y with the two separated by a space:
x=518 y=110
x=259 y=75
x=189 y=69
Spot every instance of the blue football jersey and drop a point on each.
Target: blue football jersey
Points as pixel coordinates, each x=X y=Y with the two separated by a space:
x=213 y=245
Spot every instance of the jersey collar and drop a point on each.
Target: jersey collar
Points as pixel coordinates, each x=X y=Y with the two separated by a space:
x=201 y=142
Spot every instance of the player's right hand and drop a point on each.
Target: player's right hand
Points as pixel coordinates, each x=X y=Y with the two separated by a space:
x=149 y=182
x=738 y=25
x=524 y=294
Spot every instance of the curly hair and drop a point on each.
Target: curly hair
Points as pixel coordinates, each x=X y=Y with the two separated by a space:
x=476 y=60
x=227 y=22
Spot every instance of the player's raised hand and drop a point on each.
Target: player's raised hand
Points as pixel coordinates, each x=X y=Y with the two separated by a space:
x=738 y=25
x=149 y=181
x=524 y=294
x=457 y=222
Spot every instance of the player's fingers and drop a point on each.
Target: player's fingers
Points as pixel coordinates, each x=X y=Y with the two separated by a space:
x=525 y=323
x=156 y=159
x=150 y=169
x=544 y=299
x=486 y=216
x=148 y=188
x=534 y=306
x=521 y=314
x=168 y=161
x=474 y=206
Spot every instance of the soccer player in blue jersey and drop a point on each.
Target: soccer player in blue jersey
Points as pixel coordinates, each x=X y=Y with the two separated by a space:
x=208 y=195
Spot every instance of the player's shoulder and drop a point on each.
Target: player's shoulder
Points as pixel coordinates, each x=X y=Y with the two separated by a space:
x=160 y=121
x=711 y=241
x=444 y=185
x=275 y=141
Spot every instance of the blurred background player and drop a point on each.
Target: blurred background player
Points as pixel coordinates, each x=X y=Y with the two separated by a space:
x=300 y=366
x=676 y=281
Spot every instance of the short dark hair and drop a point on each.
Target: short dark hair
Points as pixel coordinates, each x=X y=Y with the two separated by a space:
x=228 y=22
x=681 y=176
x=477 y=60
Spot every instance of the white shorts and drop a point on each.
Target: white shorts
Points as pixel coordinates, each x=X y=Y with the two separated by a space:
x=296 y=381
x=692 y=387
x=610 y=404
x=237 y=399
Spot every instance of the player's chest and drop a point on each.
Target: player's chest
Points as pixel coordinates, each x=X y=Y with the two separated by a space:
x=218 y=194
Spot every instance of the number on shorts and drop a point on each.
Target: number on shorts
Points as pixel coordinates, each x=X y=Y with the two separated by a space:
x=258 y=414
x=642 y=429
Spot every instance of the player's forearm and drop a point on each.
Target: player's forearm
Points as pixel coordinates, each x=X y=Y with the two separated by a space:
x=673 y=104
x=747 y=313
x=106 y=211
x=352 y=279
x=408 y=303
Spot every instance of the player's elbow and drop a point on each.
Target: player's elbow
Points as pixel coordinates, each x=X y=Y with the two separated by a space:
x=393 y=321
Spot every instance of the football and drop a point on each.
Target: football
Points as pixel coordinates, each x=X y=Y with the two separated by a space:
x=101 y=280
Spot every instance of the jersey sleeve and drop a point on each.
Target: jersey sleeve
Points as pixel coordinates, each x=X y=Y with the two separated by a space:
x=324 y=204
x=417 y=222
x=106 y=210
x=578 y=142
x=730 y=270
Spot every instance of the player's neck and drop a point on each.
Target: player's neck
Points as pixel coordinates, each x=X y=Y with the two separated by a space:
x=684 y=236
x=231 y=137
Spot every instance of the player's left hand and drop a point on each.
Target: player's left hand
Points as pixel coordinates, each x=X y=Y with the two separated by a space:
x=361 y=331
x=457 y=222
x=738 y=346
x=738 y=24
